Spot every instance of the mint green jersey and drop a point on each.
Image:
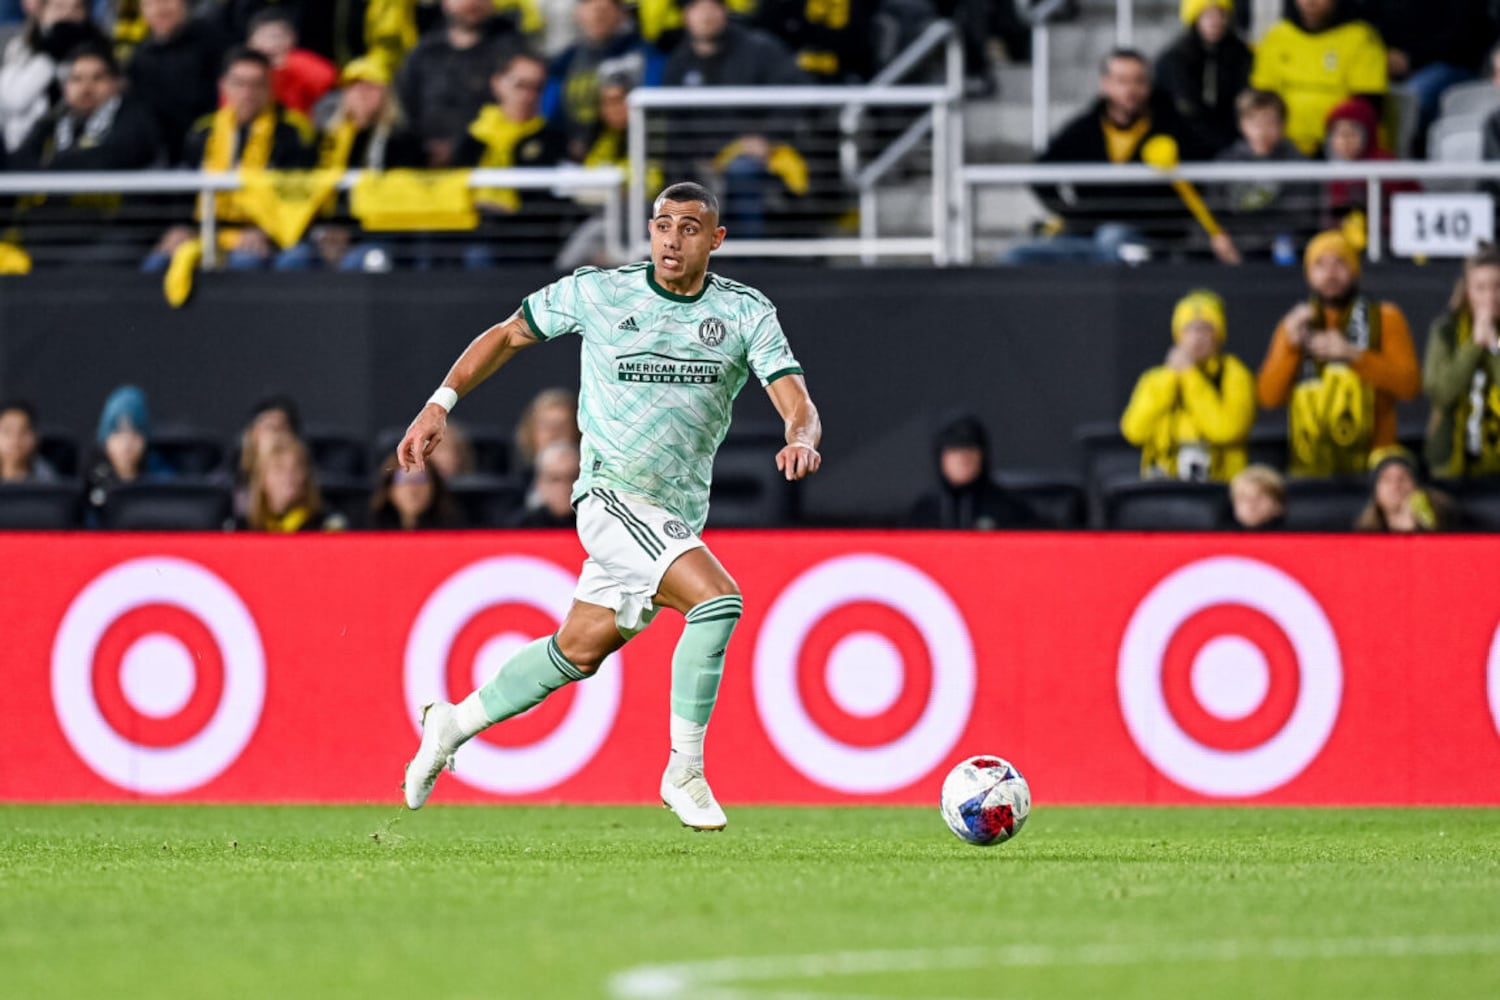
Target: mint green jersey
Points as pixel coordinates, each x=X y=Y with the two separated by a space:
x=659 y=375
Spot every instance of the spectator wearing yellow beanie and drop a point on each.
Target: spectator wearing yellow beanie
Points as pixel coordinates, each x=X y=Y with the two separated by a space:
x=1338 y=362
x=1191 y=416
x=1205 y=69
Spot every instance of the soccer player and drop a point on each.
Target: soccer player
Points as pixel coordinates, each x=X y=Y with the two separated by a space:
x=666 y=348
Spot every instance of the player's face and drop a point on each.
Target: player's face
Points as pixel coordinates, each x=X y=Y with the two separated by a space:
x=683 y=234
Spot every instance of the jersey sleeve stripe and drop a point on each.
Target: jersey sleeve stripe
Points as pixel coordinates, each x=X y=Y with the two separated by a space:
x=794 y=370
x=531 y=320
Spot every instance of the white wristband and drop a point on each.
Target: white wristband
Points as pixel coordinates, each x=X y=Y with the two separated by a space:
x=446 y=398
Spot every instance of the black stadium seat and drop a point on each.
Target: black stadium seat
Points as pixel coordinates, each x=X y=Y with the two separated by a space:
x=487 y=501
x=40 y=506
x=1058 y=501
x=748 y=490
x=60 y=451
x=1478 y=499
x=1325 y=504
x=168 y=506
x=188 y=452
x=348 y=496
x=1268 y=446
x=335 y=453
x=1166 y=505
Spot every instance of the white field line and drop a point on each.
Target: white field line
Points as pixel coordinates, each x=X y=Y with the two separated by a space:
x=727 y=978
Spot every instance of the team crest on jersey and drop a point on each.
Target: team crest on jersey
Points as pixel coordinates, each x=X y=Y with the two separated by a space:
x=676 y=529
x=712 y=331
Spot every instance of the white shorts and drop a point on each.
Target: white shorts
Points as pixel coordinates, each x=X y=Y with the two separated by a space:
x=630 y=544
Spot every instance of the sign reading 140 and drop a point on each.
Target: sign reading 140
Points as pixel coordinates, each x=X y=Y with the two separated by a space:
x=1441 y=224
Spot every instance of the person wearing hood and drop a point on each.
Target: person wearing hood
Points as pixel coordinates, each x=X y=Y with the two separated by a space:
x=1338 y=362
x=1191 y=416
x=1400 y=503
x=32 y=61
x=967 y=496
x=1352 y=136
x=1315 y=58
x=1205 y=69
x=122 y=444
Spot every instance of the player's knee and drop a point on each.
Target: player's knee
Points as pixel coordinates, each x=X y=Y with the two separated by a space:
x=583 y=655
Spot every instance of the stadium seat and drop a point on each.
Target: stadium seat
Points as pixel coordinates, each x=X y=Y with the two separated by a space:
x=1166 y=505
x=60 y=451
x=168 y=506
x=1107 y=458
x=1267 y=446
x=40 y=506
x=336 y=453
x=1456 y=139
x=188 y=452
x=348 y=496
x=1325 y=504
x=1478 y=499
x=748 y=490
x=1059 y=501
x=487 y=501
x=1478 y=97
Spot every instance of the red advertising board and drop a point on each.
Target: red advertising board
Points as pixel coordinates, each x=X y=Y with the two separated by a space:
x=1109 y=668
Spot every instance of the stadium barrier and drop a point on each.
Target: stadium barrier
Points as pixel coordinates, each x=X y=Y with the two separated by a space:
x=1127 y=669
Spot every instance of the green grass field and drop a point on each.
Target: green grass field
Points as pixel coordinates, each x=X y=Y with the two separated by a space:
x=270 y=902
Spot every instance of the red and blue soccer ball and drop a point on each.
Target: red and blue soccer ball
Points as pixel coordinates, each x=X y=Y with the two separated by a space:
x=985 y=800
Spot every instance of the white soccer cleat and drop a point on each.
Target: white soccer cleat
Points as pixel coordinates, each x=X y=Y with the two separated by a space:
x=685 y=791
x=432 y=754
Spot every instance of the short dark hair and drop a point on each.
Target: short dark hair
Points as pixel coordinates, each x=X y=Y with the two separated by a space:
x=1259 y=100
x=94 y=50
x=511 y=57
x=285 y=404
x=21 y=406
x=688 y=191
x=271 y=15
x=242 y=54
x=1123 y=52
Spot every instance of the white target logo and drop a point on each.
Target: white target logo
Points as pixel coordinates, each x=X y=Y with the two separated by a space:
x=503 y=580
x=1494 y=680
x=158 y=675
x=1230 y=678
x=867 y=673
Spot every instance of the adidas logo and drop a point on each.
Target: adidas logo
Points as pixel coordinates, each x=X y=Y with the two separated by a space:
x=628 y=323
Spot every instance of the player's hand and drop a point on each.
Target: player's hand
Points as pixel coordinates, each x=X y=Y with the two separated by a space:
x=798 y=460
x=421 y=437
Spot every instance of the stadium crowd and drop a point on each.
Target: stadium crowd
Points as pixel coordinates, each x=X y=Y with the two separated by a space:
x=221 y=85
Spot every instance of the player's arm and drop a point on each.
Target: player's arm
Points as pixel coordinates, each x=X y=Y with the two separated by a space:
x=804 y=430
x=481 y=359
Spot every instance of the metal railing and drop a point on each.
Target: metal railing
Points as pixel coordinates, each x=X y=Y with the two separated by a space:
x=940 y=122
x=608 y=182
x=1375 y=174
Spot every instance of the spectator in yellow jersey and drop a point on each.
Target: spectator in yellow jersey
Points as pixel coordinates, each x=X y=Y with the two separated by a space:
x=1338 y=362
x=1315 y=58
x=608 y=45
x=1461 y=374
x=833 y=42
x=284 y=494
x=1191 y=416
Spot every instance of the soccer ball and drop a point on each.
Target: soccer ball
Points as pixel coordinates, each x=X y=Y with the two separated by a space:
x=985 y=800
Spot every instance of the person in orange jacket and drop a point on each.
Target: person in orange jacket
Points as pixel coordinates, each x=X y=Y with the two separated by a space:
x=1338 y=362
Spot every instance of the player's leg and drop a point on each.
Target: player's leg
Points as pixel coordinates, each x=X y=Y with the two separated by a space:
x=588 y=634
x=697 y=585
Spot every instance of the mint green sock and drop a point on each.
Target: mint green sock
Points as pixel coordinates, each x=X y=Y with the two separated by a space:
x=698 y=662
x=537 y=669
